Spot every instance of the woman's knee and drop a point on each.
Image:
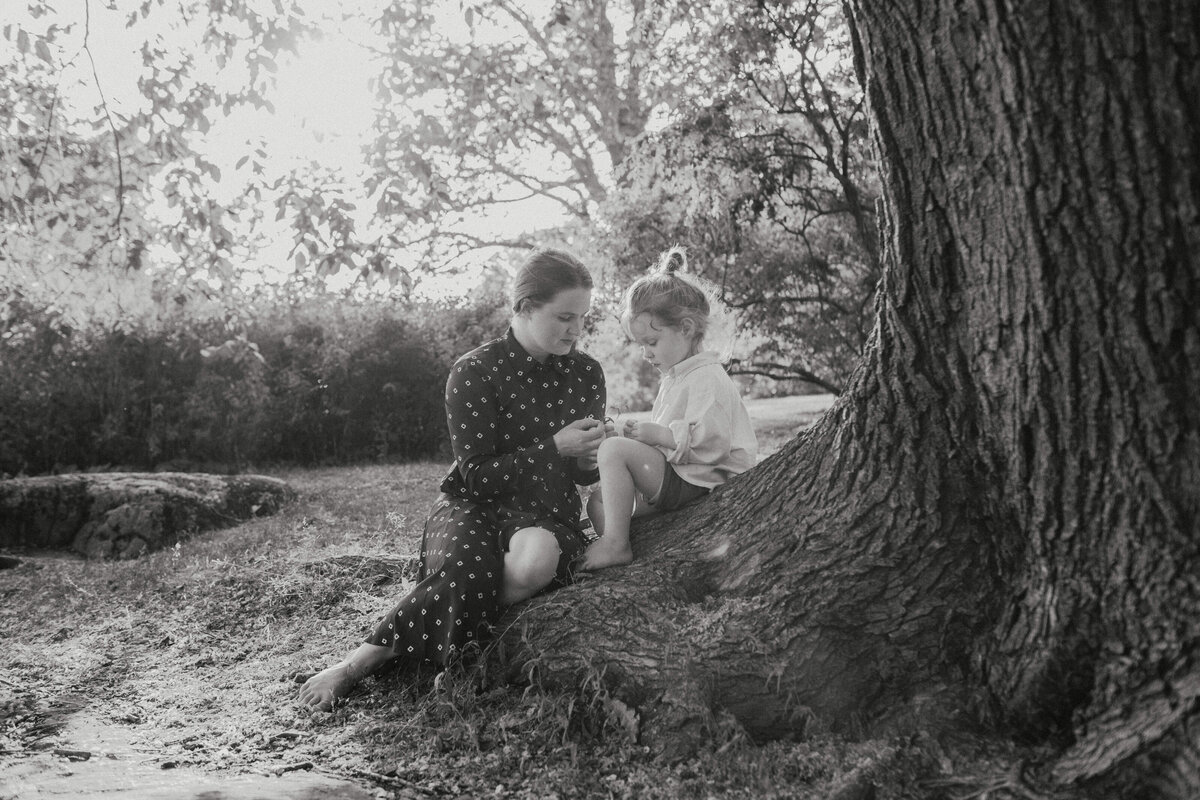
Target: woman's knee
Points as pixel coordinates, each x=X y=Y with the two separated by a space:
x=532 y=558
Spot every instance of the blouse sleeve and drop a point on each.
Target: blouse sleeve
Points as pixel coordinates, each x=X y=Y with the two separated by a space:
x=597 y=404
x=472 y=412
x=703 y=435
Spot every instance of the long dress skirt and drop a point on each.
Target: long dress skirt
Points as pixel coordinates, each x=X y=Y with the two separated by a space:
x=457 y=596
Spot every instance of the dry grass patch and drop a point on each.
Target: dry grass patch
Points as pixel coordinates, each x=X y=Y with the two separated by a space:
x=189 y=653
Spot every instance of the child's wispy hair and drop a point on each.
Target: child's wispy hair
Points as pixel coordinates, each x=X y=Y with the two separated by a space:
x=672 y=295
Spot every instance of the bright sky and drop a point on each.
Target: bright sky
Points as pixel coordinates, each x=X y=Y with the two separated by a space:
x=323 y=101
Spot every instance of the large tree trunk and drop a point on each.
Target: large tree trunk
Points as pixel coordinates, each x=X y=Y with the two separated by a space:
x=1000 y=515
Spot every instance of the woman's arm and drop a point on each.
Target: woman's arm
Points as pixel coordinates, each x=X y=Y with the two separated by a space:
x=583 y=471
x=472 y=415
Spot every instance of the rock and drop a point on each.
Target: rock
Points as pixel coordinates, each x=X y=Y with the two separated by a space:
x=126 y=514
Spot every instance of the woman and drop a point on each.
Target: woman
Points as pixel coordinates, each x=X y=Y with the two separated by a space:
x=524 y=414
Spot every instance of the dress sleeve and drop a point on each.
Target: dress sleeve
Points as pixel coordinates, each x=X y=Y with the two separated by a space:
x=703 y=434
x=597 y=404
x=472 y=413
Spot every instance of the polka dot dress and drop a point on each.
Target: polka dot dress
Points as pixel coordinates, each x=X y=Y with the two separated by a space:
x=503 y=408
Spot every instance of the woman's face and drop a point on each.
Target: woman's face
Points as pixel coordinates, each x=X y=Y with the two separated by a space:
x=553 y=328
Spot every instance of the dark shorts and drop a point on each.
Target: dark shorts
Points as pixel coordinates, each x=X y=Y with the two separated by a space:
x=675 y=491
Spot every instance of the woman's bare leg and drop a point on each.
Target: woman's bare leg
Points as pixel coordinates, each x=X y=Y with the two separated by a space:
x=529 y=564
x=331 y=683
x=627 y=468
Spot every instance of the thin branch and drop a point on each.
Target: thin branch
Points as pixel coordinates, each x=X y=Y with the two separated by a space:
x=37 y=170
x=817 y=299
x=780 y=372
x=87 y=30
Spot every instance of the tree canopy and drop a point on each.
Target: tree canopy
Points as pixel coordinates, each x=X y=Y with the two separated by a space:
x=621 y=128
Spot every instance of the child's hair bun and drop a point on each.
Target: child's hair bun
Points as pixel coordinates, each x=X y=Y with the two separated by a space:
x=673 y=260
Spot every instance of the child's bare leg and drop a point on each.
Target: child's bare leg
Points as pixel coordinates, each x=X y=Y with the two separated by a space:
x=627 y=467
x=595 y=511
x=331 y=683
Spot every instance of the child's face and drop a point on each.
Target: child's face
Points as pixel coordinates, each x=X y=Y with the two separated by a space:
x=662 y=345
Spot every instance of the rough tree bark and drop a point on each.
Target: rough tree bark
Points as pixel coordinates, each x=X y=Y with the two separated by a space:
x=999 y=517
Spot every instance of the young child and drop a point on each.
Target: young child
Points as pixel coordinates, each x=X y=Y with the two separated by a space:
x=699 y=433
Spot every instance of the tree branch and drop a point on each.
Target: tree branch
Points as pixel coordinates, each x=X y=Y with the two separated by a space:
x=87 y=30
x=780 y=372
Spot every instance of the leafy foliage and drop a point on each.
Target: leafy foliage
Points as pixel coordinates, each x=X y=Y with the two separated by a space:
x=309 y=383
x=734 y=129
x=520 y=105
x=770 y=185
x=85 y=188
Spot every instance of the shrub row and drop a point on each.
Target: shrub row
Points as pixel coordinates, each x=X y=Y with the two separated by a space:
x=312 y=384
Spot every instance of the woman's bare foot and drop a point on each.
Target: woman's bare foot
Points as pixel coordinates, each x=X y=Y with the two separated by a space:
x=333 y=683
x=329 y=685
x=606 y=552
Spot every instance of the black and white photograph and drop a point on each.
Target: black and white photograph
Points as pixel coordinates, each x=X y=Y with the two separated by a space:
x=613 y=399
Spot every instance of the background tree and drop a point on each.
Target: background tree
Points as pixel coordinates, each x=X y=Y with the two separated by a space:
x=768 y=178
x=997 y=523
x=520 y=105
x=732 y=129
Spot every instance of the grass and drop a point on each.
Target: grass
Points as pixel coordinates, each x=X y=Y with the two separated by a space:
x=189 y=654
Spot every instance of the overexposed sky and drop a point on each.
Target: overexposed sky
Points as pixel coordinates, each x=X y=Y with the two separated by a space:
x=323 y=102
x=322 y=99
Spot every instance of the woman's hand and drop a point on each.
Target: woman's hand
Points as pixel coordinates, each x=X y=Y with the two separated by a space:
x=588 y=463
x=580 y=438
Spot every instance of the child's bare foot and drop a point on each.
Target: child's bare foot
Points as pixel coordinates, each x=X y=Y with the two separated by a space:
x=606 y=552
x=329 y=685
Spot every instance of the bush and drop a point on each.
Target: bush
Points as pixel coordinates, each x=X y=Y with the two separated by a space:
x=322 y=381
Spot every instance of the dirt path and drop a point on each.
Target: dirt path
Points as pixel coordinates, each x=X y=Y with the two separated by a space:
x=92 y=758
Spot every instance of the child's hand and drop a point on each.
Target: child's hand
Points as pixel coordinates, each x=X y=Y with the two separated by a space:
x=650 y=433
x=629 y=429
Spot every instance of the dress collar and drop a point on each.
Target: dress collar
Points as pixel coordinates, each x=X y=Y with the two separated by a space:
x=525 y=363
x=701 y=359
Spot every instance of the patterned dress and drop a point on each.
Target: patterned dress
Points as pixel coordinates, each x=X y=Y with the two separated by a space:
x=503 y=408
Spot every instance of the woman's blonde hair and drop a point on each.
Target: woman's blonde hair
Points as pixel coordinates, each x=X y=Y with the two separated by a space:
x=671 y=296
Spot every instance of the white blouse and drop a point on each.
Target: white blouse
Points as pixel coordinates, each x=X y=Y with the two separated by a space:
x=701 y=405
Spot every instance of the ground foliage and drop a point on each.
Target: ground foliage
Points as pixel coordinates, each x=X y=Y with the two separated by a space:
x=192 y=652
